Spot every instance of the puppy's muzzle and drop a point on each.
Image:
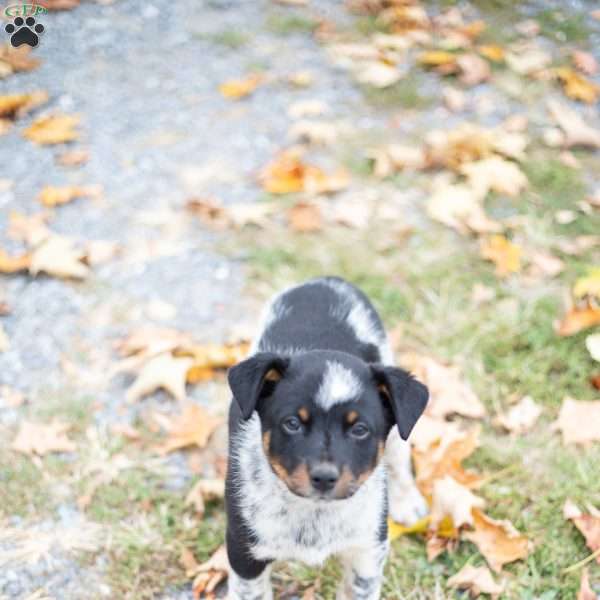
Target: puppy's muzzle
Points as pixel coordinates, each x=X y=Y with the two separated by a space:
x=324 y=476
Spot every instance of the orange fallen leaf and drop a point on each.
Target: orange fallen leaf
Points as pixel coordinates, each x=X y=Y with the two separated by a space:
x=210 y=574
x=41 y=439
x=55 y=196
x=236 y=89
x=579 y=421
x=477 y=580
x=193 y=427
x=208 y=357
x=16 y=105
x=492 y=52
x=498 y=541
x=14 y=264
x=503 y=253
x=578 y=319
x=577 y=87
x=587 y=523
x=53 y=129
x=14 y=60
x=73 y=158
x=305 y=217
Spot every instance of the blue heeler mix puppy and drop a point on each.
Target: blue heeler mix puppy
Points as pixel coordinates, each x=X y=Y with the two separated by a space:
x=317 y=449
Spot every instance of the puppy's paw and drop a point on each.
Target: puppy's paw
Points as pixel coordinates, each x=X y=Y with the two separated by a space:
x=407 y=505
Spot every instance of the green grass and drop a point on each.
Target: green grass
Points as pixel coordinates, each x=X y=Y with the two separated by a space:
x=228 y=38
x=283 y=24
x=563 y=26
x=407 y=93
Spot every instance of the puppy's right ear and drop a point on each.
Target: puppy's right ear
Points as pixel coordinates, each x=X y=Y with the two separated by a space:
x=248 y=379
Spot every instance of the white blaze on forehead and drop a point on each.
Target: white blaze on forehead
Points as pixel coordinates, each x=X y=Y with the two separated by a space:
x=338 y=385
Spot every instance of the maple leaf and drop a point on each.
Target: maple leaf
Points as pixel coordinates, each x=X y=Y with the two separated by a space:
x=577 y=86
x=579 y=421
x=305 y=217
x=477 y=580
x=577 y=131
x=521 y=417
x=495 y=174
x=193 y=427
x=503 y=253
x=205 y=490
x=210 y=574
x=59 y=257
x=498 y=541
x=236 y=89
x=587 y=523
x=163 y=371
x=42 y=439
x=53 y=129
x=451 y=499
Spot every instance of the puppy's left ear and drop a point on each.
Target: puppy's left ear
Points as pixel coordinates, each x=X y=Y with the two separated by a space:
x=406 y=396
x=252 y=376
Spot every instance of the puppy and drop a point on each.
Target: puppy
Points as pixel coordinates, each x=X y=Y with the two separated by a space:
x=315 y=455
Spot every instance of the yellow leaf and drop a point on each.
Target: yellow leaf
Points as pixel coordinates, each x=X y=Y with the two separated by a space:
x=18 y=104
x=13 y=264
x=58 y=256
x=437 y=58
x=54 y=196
x=493 y=53
x=498 y=541
x=588 y=285
x=503 y=253
x=396 y=530
x=577 y=87
x=53 y=129
x=235 y=89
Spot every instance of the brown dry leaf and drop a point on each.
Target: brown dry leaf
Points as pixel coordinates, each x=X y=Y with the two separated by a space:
x=451 y=499
x=585 y=590
x=498 y=541
x=577 y=87
x=58 y=256
x=53 y=129
x=41 y=439
x=578 y=319
x=585 y=62
x=521 y=417
x=305 y=217
x=579 y=421
x=13 y=264
x=495 y=174
x=287 y=174
x=54 y=196
x=205 y=490
x=503 y=253
x=477 y=580
x=17 y=105
x=193 y=427
x=236 y=89
x=210 y=574
x=13 y=60
x=473 y=69
x=577 y=131
x=587 y=523
x=163 y=371
x=73 y=158
x=208 y=357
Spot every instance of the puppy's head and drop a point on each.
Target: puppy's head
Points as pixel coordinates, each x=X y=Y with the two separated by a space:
x=325 y=416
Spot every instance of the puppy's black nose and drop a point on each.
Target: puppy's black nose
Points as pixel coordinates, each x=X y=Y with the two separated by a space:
x=324 y=476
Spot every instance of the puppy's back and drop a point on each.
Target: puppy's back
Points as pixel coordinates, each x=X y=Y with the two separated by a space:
x=327 y=313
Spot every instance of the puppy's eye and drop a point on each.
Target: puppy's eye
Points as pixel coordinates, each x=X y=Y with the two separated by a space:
x=292 y=425
x=359 y=431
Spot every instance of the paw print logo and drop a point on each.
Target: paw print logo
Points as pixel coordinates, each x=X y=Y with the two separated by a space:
x=24 y=31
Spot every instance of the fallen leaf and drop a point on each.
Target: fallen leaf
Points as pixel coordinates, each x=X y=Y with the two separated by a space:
x=236 y=89
x=527 y=58
x=208 y=357
x=451 y=499
x=378 y=74
x=592 y=343
x=587 y=523
x=73 y=158
x=477 y=580
x=396 y=530
x=577 y=131
x=492 y=52
x=54 y=196
x=495 y=174
x=498 y=541
x=544 y=264
x=313 y=132
x=13 y=264
x=577 y=87
x=42 y=439
x=14 y=60
x=193 y=427
x=473 y=69
x=588 y=286
x=163 y=371
x=211 y=573
x=205 y=490
x=53 y=129
x=31 y=229
x=521 y=417
x=58 y=256
x=455 y=100
x=438 y=59
x=307 y=108
x=585 y=62
x=578 y=421
x=578 y=319
x=585 y=590
x=17 y=105
x=305 y=217
x=503 y=253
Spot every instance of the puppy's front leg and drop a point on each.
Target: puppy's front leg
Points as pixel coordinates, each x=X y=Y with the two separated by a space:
x=363 y=572
x=250 y=589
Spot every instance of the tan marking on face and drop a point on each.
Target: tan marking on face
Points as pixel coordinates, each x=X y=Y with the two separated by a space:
x=351 y=417
x=266 y=442
x=384 y=391
x=272 y=375
x=300 y=480
x=303 y=414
